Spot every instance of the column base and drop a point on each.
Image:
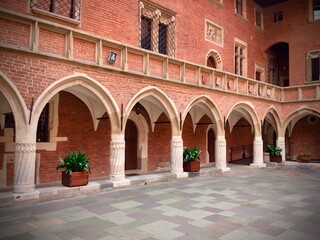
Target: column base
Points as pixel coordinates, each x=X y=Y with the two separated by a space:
x=224 y=169
x=182 y=175
x=118 y=177
x=258 y=165
x=121 y=183
x=25 y=188
x=26 y=196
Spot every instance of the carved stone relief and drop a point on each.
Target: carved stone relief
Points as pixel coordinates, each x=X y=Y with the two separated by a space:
x=214 y=33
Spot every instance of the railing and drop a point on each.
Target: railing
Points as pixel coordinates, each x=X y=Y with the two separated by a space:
x=46 y=38
x=242 y=152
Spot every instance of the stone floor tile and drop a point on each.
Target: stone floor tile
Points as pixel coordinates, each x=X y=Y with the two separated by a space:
x=158 y=227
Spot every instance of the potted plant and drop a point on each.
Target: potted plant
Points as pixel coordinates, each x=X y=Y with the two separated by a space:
x=191 y=159
x=77 y=169
x=275 y=153
x=305 y=157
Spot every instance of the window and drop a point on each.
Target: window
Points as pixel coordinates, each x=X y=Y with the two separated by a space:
x=259 y=72
x=211 y=63
x=273 y=75
x=66 y=8
x=43 y=125
x=278 y=16
x=146 y=33
x=240 y=59
x=313 y=66
x=239 y=8
x=316 y=9
x=157 y=29
x=9 y=120
x=259 y=18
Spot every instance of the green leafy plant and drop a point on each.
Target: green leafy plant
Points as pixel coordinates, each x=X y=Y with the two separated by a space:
x=273 y=150
x=191 y=154
x=74 y=162
x=303 y=155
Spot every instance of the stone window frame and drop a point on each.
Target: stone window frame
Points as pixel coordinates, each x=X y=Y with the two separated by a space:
x=311 y=12
x=207 y=23
x=311 y=55
x=259 y=10
x=216 y=57
x=243 y=8
x=218 y=2
x=261 y=69
x=158 y=15
x=55 y=14
x=241 y=45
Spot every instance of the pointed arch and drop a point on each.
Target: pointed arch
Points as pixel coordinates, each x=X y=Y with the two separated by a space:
x=205 y=106
x=15 y=101
x=295 y=116
x=273 y=118
x=155 y=101
x=245 y=110
x=99 y=95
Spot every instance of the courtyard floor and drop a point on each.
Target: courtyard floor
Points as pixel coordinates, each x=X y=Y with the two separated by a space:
x=272 y=203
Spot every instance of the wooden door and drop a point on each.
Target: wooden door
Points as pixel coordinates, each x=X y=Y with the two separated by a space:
x=131 y=146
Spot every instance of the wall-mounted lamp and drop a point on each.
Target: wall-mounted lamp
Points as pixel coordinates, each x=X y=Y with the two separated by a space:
x=137 y=108
x=112 y=57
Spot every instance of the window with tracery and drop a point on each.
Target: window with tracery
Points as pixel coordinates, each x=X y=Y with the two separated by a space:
x=157 y=29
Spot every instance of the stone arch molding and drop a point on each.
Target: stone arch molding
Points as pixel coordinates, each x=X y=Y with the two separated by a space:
x=295 y=116
x=200 y=106
x=15 y=100
x=97 y=98
x=273 y=118
x=245 y=110
x=155 y=101
x=217 y=58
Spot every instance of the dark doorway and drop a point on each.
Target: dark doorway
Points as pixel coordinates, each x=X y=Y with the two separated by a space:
x=211 y=145
x=131 y=146
x=278 y=64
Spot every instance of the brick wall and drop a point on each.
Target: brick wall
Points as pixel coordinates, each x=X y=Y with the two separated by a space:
x=305 y=139
x=75 y=123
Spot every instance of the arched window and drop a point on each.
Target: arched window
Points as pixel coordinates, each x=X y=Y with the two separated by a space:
x=211 y=62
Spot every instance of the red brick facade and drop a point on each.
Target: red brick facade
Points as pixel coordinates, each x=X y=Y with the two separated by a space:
x=44 y=55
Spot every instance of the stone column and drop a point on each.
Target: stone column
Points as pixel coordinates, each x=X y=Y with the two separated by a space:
x=117 y=157
x=281 y=142
x=24 y=167
x=221 y=153
x=258 y=153
x=177 y=155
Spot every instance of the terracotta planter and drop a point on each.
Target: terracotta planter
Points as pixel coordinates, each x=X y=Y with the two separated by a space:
x=277 y=159
x=193 y=166
x=75 y=179
x=304 y=159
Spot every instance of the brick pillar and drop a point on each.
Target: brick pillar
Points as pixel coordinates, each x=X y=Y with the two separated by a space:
x=258 y=153
x=24 y=167
x=221 y=153
x=117 y=157
x=177 y=155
